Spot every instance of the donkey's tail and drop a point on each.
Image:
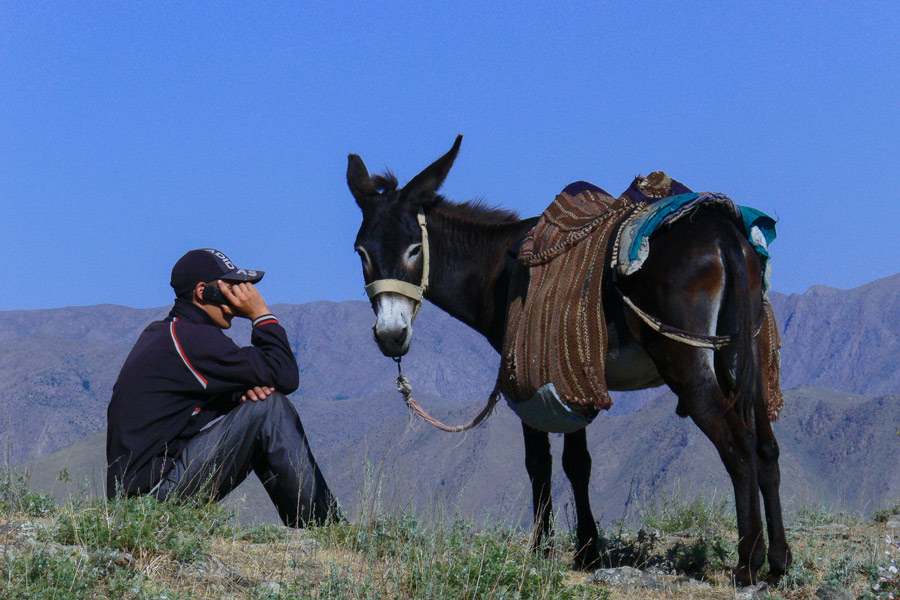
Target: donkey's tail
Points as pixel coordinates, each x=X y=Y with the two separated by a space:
x=741 y=315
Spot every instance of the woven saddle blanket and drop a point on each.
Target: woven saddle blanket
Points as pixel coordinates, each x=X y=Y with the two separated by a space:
x=556 y=331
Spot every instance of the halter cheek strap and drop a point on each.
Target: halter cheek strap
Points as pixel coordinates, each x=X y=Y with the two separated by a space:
x=404 y=288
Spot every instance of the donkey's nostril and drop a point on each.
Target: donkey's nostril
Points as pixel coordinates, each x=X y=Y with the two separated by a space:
x=401 y=335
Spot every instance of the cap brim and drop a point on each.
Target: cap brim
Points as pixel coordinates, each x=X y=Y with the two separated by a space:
x=248 y=275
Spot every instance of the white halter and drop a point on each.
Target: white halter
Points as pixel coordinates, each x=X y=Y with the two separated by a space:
x=415 y=292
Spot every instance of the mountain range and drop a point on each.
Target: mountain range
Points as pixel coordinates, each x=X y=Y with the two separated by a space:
x=838 y=431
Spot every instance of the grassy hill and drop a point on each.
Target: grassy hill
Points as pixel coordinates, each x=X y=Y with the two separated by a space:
x=141 y=549
x=440 y=515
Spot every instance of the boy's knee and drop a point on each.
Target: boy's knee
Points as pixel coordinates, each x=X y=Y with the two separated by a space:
x=278 y=402
x=274 y=398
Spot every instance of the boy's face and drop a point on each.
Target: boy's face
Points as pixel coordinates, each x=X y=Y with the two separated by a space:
x=221 y=314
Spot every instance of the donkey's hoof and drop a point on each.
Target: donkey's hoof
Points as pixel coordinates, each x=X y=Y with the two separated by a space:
x=778 y=566
x=588 y=557
x=743 y=577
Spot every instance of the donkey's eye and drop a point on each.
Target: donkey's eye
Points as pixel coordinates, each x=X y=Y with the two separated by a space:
x=409 y=259
x=364 y=257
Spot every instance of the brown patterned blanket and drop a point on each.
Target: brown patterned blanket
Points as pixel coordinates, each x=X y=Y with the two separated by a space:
x=557 y=332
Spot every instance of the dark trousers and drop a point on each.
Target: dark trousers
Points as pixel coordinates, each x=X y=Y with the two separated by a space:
x=264 y=436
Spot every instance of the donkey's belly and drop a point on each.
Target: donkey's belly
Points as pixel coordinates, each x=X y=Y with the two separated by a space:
x=631 y=368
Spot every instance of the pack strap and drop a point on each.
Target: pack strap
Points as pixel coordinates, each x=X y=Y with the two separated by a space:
x=698 y=340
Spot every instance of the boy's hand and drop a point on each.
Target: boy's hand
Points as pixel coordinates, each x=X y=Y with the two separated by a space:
x=257 y=393
x=244 y=299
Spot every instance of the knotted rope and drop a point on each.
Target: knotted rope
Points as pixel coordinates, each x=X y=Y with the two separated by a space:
x=405 y=388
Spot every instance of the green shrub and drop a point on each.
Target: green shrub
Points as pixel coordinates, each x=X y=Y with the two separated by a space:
x=699 y=516
x=61 y=575
x=453 y=561
x=842 y=571
x=621 y=550
x=142 y=525
x=883 y=515
x=798 y=574
x=266 y=533
x=45 y=575
x=379 y=537
x=16 y=499
x=820 y=515
x=700 y=557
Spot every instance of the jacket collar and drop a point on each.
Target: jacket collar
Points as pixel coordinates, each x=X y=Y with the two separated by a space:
x=189 y=311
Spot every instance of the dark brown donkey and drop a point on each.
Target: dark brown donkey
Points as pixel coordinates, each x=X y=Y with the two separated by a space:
x=701 y=276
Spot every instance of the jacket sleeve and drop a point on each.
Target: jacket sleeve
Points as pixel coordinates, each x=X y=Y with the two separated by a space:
x=223 y=366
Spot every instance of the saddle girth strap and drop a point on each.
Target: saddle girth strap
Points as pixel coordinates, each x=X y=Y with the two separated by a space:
x=698 y=340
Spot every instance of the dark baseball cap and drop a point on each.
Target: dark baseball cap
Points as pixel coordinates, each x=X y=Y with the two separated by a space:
x=207 y=264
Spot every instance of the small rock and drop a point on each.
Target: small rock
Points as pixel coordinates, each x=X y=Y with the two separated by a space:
x=752 y=592
x=690 y=582
x=306 y=545
x=626 y=577
x=269 y=587
x=213 y=567
x=832 y=592
x=126 y=560
x=20 y=530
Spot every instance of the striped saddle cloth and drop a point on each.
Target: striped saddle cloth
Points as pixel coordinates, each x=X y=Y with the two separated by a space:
x=556 y=332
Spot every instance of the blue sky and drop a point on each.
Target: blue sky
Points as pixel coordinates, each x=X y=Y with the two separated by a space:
x=132 y=132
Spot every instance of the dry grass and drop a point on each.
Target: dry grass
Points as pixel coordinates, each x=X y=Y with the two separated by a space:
x=139 y=549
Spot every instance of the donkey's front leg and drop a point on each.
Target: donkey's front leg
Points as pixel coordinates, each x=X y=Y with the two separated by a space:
x=539 y=464
x=576 y=462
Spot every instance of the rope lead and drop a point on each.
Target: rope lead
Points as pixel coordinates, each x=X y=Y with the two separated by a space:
x=405 y=388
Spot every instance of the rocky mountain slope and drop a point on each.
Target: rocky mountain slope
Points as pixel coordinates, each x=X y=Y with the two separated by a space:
x=847 y=340
x=839 y=451
x=57 y=367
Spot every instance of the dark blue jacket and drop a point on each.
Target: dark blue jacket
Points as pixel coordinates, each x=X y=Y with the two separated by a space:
x=181 y=374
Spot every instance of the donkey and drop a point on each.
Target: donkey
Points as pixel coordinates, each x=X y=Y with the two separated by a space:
x=701 y=276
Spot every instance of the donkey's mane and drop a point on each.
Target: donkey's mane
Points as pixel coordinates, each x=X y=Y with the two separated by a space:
x=475 y=211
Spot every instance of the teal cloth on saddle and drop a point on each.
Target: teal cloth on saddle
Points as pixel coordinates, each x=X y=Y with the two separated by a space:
x=660 y=212
x=766 y=225
x=653 y=219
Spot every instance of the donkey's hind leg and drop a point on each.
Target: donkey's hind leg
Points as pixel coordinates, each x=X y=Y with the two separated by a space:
x=539 y=465
x=576 y=460
x=690 y=374
x=735 y=442
x=780 y=557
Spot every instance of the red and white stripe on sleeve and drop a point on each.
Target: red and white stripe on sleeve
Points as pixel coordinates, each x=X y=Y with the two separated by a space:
x=265 y=320
x=184 y=357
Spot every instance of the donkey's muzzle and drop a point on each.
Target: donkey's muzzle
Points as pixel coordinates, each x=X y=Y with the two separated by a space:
x=392 y=343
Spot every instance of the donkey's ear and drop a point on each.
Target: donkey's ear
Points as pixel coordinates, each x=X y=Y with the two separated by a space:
x=359 y=182
x=430 y=180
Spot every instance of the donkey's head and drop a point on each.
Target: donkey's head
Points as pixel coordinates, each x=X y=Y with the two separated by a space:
x=393 y=244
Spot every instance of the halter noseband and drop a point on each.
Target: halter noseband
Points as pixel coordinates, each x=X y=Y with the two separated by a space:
x=404 y=288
